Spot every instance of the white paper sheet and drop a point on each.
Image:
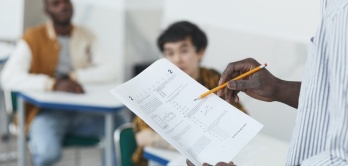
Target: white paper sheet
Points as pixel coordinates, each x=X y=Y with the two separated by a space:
x=206 y=130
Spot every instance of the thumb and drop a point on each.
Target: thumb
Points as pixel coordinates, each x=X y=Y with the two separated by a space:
x=242 y=85
x=232 y=163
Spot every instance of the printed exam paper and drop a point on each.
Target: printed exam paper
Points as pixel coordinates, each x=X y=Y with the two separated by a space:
x=206 y=130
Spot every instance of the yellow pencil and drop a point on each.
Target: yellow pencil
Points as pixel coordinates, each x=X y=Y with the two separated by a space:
x=237 y=78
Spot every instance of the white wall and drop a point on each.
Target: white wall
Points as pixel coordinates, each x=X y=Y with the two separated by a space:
x=291 y=19
x=142 y=20
x=127 y=29
x=11 y=19
x=34 y=13
x=17 y=15
x=106 y=19
x=271 y=31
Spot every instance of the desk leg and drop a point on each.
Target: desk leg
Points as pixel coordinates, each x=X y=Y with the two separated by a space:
x=3 y=117
x=21 y=142
x=109 y=127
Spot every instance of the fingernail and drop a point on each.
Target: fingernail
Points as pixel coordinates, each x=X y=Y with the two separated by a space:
x=219 y=82
x=231 y=85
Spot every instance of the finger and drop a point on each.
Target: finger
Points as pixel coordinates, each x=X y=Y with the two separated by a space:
x=82 y=90
x=69 y=90
x=222 y=164
x=220 y=92
x=229 y=95
x=188 y=162
x=243 y=85
x=234 y=69
x=206 y=164
x=80 y=87
x=72 y=90
x=230 y=72
x=235 y=95
x=78 y=90
x=231 y=163
x=236 y=99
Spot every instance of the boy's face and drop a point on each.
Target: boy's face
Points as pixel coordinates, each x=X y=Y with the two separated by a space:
x=183 y=54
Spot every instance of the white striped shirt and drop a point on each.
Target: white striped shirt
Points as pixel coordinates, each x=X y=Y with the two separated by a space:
x=320 y=136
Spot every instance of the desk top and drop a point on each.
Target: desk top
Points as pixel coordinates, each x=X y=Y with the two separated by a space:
x=161 y=156
x=96 y=98
x=262 y=150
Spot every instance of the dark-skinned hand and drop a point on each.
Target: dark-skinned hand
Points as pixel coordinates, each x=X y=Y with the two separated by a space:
x=261 y=85
x=218 y=164
x=67 y=85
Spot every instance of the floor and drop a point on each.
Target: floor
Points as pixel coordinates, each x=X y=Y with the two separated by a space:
x=71 y=156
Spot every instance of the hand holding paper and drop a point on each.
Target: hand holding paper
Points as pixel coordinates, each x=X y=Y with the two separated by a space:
x=207 y=130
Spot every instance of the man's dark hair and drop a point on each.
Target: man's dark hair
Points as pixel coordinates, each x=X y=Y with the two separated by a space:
x=180 y=31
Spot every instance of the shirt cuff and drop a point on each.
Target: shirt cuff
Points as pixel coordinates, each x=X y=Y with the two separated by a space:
x=50 y=84
x=72 y=76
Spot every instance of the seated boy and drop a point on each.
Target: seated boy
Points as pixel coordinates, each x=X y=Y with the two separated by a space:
x=184 y=44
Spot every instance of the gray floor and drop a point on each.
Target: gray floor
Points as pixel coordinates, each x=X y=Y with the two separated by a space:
x=71 y=156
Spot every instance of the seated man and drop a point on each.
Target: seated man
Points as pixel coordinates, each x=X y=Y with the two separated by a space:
x=58 y=56
x=184 y=44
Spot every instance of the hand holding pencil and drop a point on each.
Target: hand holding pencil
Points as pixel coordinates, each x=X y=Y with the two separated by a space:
x=237 y=78
x=261 y=85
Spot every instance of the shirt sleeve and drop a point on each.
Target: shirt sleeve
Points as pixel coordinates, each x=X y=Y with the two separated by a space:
x=337 y=47
x=103 y=66
x=15 y=74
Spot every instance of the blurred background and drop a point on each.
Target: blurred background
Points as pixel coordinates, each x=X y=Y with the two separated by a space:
x=276 y=32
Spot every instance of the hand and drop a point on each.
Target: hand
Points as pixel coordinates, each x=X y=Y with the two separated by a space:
x=188 y=162
x=261 y=85
x=67 y=85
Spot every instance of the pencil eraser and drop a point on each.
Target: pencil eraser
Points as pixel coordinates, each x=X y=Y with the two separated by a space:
x=265 y=64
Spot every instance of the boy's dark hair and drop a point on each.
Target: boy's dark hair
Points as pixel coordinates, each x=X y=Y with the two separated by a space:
x=180 y=31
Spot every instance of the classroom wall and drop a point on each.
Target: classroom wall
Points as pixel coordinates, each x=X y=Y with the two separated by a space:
x=34 y=13
x=143 y=21
x=127 y=29
x=106 y=19
x=11 y=22
x=20 y=14
x=272 y=31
